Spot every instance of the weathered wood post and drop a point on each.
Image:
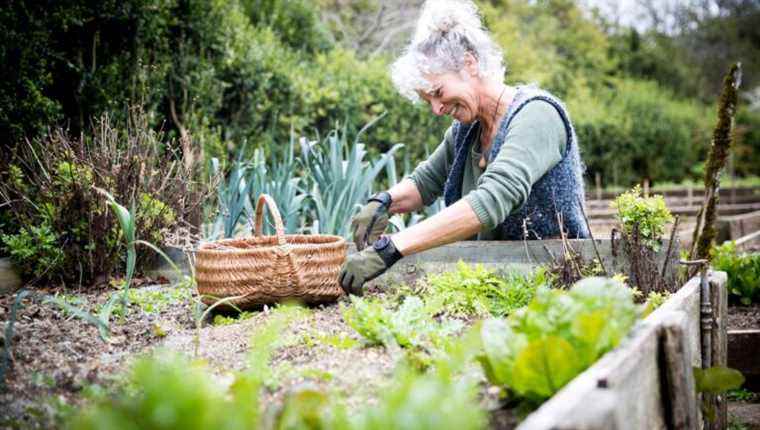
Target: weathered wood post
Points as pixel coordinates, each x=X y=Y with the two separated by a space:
x=689 y=196
x=598 y=181
x=679 y=382
x=719 y=341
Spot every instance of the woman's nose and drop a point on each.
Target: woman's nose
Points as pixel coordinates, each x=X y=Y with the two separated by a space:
x=437 y=107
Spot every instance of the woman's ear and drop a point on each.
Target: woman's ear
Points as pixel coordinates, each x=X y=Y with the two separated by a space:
x=471 y=64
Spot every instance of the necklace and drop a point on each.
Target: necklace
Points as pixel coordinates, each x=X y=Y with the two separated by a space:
x=484 y=156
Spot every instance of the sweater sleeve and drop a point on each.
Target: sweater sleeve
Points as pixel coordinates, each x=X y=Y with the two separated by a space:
x=430 y=176
x=535 y=142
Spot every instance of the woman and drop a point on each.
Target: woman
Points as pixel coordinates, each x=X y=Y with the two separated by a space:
x=508 y=167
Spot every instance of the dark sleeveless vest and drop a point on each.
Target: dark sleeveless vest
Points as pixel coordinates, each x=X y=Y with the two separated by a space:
x=559 y=191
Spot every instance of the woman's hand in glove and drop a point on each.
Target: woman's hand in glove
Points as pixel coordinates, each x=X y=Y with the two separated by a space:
x=371 y=221
x=367 y=265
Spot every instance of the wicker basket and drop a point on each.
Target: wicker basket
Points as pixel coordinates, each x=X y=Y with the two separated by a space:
x=268 y=269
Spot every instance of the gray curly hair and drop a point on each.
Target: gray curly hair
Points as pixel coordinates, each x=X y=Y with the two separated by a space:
x=446 y=31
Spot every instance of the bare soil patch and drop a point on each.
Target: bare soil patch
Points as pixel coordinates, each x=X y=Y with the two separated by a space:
x=744 y=317
x=747 y=414
x=57 y=357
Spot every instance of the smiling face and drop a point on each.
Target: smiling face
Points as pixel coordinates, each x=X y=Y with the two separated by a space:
x=454 y=94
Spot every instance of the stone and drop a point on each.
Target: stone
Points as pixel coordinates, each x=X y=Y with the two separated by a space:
x=9 y=279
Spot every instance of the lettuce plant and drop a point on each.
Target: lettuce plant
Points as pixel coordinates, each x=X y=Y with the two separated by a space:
x=743 y=272
x=540 y=348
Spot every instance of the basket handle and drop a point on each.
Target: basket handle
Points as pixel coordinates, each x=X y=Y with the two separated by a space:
x=278 y=226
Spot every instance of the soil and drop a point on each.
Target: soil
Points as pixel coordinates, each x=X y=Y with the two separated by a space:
x=56 y=357
x=747 y=414
x=744 y=317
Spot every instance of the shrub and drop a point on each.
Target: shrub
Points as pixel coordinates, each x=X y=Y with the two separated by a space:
x=746 y=147
x=355 y=91
x=650 y=214
x=69 y=233
x=296 y=22
x=636 y=129
x=35 y=250
x=743 y=272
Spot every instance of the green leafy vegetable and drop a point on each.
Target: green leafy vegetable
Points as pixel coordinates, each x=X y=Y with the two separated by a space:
x=165 y=390
x=411 y=325
x=473 y=290
x=743 y=272
x=540 y=348
x=433 y=401
x=717 y=380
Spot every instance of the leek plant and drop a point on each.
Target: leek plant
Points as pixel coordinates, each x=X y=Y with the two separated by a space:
x=233 y=196
x=128 y=226
x=282 y=182
x=340 y=179
x=247 y=180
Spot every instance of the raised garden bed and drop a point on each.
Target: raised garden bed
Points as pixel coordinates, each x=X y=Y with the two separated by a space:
x=323 y=349
x=510 y=255
x=635 y=385
x=741 y=228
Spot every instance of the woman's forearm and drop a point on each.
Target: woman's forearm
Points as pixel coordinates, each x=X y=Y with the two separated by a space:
x=405 y=197
x=454 y=223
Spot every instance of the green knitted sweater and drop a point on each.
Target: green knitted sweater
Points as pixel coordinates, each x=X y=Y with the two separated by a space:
x=535 y=142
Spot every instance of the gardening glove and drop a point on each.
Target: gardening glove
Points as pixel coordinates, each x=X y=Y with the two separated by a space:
x=371 y=221
x=367 y=265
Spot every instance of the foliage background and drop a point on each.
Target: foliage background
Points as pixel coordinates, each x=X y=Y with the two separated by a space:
x=240 y=79
x=229 y=72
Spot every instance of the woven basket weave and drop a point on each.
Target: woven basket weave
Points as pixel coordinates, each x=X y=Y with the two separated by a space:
x=269 y=269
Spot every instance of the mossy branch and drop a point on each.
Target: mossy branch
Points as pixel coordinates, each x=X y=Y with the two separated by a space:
x=704 y=232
